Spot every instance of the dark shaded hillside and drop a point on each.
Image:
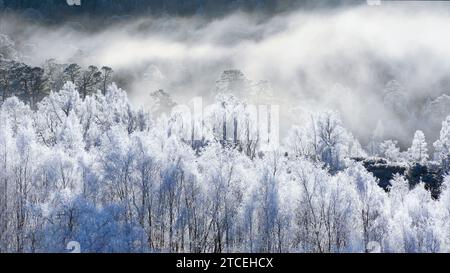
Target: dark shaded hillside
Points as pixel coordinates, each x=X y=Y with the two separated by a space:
x=59 y=9
x=430 y=175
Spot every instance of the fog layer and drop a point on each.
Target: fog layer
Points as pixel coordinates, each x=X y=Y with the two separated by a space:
x=340 y=58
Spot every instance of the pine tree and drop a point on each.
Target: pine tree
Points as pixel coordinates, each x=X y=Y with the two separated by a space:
x=442 y=145
x=418 y=153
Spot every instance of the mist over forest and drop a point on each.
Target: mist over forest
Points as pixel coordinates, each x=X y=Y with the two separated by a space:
x=90 y=144
x=335 y=57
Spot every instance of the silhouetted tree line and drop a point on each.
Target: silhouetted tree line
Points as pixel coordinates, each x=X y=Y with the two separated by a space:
x=32 y=84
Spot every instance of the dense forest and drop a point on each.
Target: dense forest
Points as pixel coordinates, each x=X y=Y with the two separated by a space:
x=80 y=161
